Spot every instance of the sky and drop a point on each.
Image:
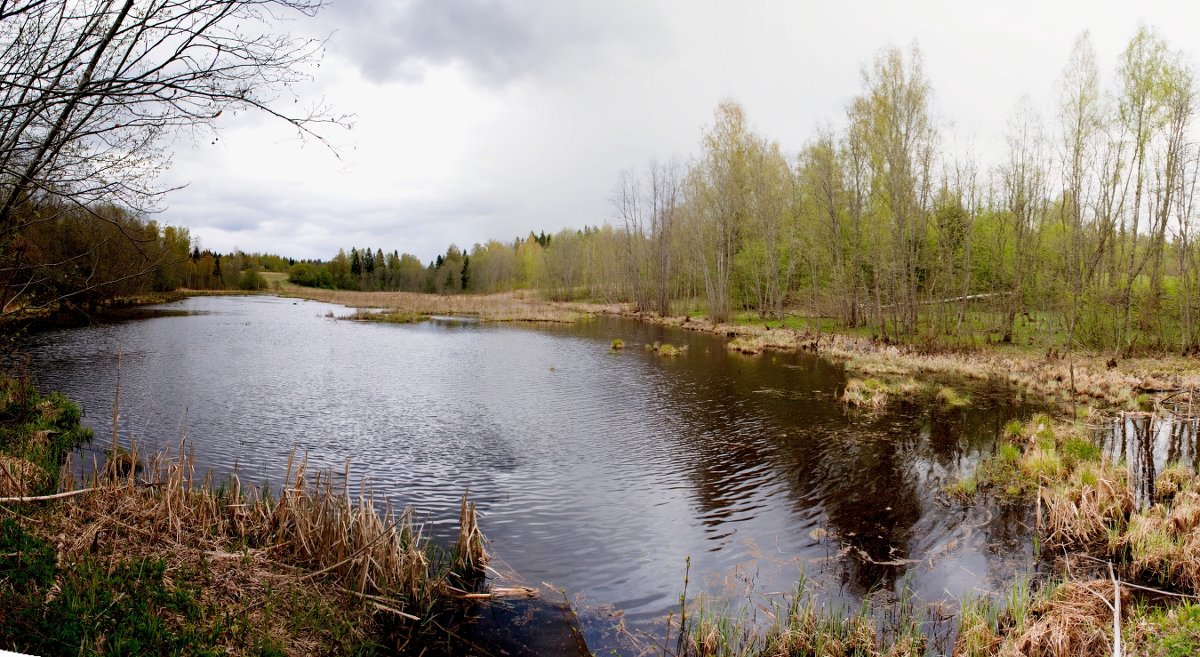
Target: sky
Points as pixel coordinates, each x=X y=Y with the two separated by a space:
x=488 y=119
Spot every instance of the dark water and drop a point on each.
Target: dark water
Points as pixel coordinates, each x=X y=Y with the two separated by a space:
x=596 y=472
x=1149 y=443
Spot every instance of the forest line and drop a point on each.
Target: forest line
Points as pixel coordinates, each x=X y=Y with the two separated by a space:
x=1085 y=225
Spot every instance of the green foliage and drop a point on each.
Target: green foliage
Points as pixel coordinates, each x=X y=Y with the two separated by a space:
x=39 y=429
x=26 y=562
x=1169 y=632
x=250 y=280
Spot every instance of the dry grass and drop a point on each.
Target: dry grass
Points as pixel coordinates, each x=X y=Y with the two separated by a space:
x=1085 y=510
x=1075 y=620
x=756 y=343
x=666 y=349
x=873 y=394
x=505 y=307
x=315 y=538
x=386 y=316
x=1163 y=542
x=19 y=476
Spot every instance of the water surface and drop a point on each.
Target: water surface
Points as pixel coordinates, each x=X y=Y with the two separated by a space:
x=596 y=472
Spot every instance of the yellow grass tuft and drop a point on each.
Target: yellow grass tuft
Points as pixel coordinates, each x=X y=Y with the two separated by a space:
x=1085 y=510
x=19 y=477
x=1075 y=620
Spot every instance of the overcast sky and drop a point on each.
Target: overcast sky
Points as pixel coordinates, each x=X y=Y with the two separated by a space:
x=477 y=119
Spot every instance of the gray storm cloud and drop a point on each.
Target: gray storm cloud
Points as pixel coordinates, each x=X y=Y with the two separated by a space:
x=500 y=41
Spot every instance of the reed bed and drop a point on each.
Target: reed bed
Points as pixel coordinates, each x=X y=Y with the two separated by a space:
x=313 y=524
x=339 y=570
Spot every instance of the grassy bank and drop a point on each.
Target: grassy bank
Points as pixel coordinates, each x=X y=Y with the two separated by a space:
x=161 y=560
x=1071 y=381
x=504 y=307
x=1117 y=579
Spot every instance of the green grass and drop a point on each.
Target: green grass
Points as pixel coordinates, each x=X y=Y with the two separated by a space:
x=666 y=349
x=963 y=489
x=1168 y=632
x=1080 y=450
x=1009 y=453
x=948 y=397
x=38 y=429
x=91 y=608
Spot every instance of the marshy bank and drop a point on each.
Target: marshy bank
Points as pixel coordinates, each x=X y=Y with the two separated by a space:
x=500 y=307
x=163 y=559
x=1078 y=379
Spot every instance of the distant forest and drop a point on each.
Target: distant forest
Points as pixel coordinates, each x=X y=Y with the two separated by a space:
x=1082 y=232
x=72 y=258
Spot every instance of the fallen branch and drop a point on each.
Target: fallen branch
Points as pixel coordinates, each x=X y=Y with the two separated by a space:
x=44 y=498
x=1117 y=651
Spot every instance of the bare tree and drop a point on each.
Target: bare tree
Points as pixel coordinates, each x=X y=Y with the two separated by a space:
x=91 y=89
x=1023 y=187
x=893 y=128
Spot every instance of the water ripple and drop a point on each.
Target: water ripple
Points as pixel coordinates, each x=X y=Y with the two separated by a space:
x=596 y=472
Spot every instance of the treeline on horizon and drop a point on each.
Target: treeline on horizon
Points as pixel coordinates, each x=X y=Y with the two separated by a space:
x=72 y=257
x=1083 y=229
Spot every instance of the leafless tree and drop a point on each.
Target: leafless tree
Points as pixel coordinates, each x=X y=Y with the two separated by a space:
x=91 y=91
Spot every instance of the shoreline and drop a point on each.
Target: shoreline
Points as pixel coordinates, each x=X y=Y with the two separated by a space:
x=1042 y=463
x=1070 y=381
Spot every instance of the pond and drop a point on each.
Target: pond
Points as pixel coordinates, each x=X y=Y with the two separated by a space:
x=596 y=472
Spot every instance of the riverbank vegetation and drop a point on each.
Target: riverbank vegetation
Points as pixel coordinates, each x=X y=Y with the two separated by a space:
x=163 y=559
x=506 y=307
x=876 y=243
x=1116 y=577
x=71 y=264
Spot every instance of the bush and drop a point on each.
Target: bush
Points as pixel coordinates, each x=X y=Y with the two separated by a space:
x=250 y=280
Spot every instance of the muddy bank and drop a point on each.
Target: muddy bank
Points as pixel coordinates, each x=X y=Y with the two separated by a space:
x=1083 y=379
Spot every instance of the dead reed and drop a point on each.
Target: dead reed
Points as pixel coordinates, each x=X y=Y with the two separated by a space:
x=1074 y=619
x=1088 y=508
x=370 y=568
x=874 y=394
x=1163 y=542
